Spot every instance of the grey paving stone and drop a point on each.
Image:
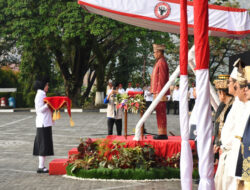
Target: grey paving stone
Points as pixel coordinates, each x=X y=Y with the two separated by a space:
x=18 y=166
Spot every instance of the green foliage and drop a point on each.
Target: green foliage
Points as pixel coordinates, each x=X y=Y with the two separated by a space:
x=8 y=79
x=19 y=97
x=128 y=174
x=30 y=99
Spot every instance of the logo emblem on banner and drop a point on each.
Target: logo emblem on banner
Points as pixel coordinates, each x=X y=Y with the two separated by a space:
x=162 y=10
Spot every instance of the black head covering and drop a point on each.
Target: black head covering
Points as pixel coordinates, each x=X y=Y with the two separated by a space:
x=40 y=84
x=115 y=84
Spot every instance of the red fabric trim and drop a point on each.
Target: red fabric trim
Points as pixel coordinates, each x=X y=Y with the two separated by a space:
x=217 y=7
x=201 y=34
x=159 y=20
x=228 y=31
x=183 y=39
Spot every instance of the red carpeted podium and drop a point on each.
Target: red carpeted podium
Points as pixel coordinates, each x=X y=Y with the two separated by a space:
x=164 y=148
x=58 y=166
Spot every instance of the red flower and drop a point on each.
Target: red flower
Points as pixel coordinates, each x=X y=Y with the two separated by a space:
x=137 y=104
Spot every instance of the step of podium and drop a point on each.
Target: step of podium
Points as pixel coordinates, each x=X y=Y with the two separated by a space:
x=58 y=166
x=73 y=151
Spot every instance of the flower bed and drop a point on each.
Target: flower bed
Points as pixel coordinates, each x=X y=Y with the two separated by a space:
x=104 y=159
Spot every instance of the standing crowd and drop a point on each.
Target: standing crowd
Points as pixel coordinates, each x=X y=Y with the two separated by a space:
x=232 y=129
x=115 y=115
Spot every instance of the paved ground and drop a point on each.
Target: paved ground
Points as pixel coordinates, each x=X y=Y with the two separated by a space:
x=18 y=166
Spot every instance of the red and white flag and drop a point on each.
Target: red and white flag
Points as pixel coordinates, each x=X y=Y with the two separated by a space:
x=203 y=107
x=186 y=163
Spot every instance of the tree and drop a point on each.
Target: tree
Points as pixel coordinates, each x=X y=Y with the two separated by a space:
x=61 y=33
x=8 y=79
x=136 y=61
x=222 y=48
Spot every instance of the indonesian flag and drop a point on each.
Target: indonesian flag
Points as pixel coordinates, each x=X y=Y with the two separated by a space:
x=203 y=108
x=186 y=164
x=56 y=103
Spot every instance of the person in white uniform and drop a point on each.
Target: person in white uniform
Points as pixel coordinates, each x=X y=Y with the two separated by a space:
x=43 y=144
x=226 y=101
x=240 y=158
x=191 y=97
x=222 y=179
x=120 y=89
x=176 y=99
x=137 y=88
x=130 y=88
x=148 y=96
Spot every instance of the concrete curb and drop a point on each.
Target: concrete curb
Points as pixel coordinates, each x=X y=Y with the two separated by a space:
x=10 y=110
x=74 y=110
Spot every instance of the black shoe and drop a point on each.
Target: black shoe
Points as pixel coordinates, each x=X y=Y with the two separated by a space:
x=160 y=137
x=42 y=170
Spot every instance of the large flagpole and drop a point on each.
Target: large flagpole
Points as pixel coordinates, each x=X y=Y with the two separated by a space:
x=203 y=108
x=186 y=162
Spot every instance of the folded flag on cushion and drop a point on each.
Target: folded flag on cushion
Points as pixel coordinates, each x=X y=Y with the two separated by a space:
x=57 y=102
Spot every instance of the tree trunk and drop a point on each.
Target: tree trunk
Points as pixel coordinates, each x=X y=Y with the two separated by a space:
x=91 y=81
x=99 y=98
x=74 y=69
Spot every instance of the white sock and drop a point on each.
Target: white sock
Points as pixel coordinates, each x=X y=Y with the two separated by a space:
x=41 y=161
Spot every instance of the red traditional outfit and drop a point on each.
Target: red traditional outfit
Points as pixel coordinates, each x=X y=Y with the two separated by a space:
x=159 y=78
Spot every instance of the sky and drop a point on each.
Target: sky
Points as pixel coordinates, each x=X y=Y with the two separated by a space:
x=244 y=4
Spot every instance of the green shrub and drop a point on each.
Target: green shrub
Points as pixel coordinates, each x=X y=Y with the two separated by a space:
x=8 y=79
x=5 y=94
x=129 y=174
x=20 y=102
x=106 y=159
x=30 y=99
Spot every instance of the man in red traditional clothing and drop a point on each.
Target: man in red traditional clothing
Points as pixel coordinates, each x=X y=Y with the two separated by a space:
x=159 y=78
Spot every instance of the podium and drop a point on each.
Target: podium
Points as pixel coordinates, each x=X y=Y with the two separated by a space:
x=132 y=95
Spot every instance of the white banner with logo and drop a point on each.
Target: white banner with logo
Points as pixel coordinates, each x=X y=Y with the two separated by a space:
x=164 y=16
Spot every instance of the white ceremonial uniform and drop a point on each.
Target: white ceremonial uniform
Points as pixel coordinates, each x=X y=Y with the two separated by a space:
x=169 y=97
x=138 y=89
x=191 y=94
x=222 y=180
x=176 y=95
x=148 y=96
x=43 y=113
x=121 y=91
x=241 y=121
x=130 y=89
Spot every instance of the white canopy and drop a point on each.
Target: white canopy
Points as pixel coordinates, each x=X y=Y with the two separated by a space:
x=223 y=21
